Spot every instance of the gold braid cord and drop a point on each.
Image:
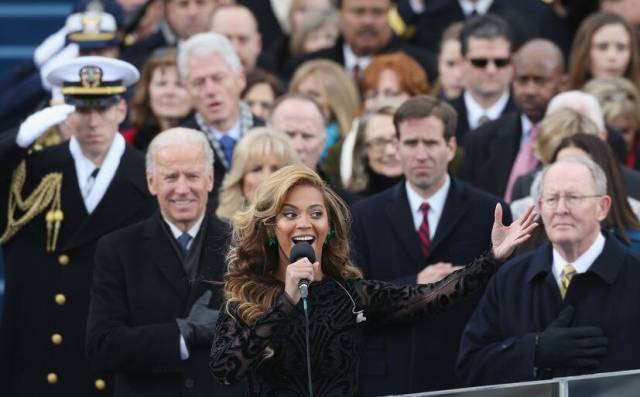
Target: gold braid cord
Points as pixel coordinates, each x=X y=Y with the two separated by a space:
x=46 y=194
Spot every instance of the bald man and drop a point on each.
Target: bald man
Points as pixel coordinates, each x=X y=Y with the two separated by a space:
x=240 y=26
x=491 y=150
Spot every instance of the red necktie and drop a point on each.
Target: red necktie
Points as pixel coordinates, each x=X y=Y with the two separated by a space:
x=423 y=232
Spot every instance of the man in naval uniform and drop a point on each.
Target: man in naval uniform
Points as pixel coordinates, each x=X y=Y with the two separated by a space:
x=54 y=206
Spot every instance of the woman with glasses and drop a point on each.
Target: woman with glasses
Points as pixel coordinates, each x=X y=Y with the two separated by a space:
x=376 y=162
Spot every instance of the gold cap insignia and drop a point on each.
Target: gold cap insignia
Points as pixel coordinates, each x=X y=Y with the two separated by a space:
x=90 y=76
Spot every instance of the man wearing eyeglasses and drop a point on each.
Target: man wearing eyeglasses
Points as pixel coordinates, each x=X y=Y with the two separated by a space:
x=569 y=307
x=486 y=44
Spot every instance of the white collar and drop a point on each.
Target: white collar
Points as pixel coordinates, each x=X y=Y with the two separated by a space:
x=351 y=59
x=436 y=205
x=584 y=261
x=481 y=6
x=193 y=231
x=234 y=132
x=475 y=111
x=84 y=167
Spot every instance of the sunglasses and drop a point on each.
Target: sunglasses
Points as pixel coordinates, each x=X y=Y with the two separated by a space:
x=483 y=62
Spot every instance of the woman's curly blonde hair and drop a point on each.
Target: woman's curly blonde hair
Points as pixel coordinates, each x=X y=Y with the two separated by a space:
x=251 y=282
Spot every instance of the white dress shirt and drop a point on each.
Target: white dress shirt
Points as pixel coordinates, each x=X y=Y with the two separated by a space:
x=84 y=167
x=351 y=59
x=176 y=232
x=479 y=6
x=475 y=111
x=584 y=261
x=436 y=206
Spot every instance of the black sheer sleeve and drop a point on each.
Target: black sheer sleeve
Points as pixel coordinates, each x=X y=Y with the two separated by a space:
x=238 y=347
x=385 y=302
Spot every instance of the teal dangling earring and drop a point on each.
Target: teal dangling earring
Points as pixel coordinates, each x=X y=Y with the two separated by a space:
x=329 y=237
x=272 y=242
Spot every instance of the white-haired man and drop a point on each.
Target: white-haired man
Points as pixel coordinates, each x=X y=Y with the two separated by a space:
x=153 y=303
x=567 y=308
x=213 y=74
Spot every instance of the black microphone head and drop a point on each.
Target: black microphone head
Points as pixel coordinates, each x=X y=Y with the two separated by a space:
x=302 y=250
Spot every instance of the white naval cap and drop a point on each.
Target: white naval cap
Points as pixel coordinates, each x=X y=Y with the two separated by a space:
x=93 y=81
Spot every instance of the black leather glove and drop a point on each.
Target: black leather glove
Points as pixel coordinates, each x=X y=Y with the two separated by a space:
x=561 y=346
x=199 y=327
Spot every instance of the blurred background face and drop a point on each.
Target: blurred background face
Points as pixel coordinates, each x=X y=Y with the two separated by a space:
x=168 y=98
x=188 y=17
x=311 y=86
x=627 y=127
x=491 y=79
x=382 y=146
x=301 y=8
x=95 y=127
x=536 y=80
x=215 y=89
x=323 y=37
x=239 y=26
x=610 y=51
x=304 y=124
x=258 y=171
x=260 y=98
x=365 y=26
x=450 y=64
x=388 y=87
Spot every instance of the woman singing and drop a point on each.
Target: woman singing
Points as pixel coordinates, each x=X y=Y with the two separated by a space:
x=261 y=329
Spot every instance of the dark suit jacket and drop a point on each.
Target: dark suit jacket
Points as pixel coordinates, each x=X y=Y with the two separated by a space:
x=139 y=289
x=462 y=128
x=425 y=58
x=525 y=17
x=522 y=299
x=34 y=276
x=139 y=52
x=420 y=357
x=489 y=153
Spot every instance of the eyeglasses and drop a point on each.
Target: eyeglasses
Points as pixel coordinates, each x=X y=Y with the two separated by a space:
x=570 y=200
x=378 y=145
x=483 y=62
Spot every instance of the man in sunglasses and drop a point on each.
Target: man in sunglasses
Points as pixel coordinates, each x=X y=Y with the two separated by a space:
x=486 y=47
x=501 y=150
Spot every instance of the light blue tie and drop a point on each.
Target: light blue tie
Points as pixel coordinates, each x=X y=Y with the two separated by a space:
x=227 y=144
x=184 y=240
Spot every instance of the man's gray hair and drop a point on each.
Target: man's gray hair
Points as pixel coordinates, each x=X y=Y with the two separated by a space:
x=177 y=136
x=581 y=102
x=203 y=44
x=599 y=177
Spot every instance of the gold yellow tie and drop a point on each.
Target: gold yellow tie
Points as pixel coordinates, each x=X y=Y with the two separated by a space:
x=567 y=273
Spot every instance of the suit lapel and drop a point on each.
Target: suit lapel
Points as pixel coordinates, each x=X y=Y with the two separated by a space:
x=212 y=260
x=455 y=208
x=124 y=198
x=165 y=258
x=401 y=220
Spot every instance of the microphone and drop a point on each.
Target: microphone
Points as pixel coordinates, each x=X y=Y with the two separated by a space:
x=301 y=250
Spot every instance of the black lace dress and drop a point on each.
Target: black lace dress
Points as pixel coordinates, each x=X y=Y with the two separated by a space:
x=336 y=336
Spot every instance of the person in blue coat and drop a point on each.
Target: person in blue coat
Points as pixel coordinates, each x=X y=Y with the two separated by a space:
x=567 y=308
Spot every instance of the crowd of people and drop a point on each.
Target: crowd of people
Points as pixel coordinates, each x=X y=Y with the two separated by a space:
x=462 y=177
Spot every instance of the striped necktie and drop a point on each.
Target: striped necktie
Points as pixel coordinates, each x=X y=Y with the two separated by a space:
x=423 y=231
